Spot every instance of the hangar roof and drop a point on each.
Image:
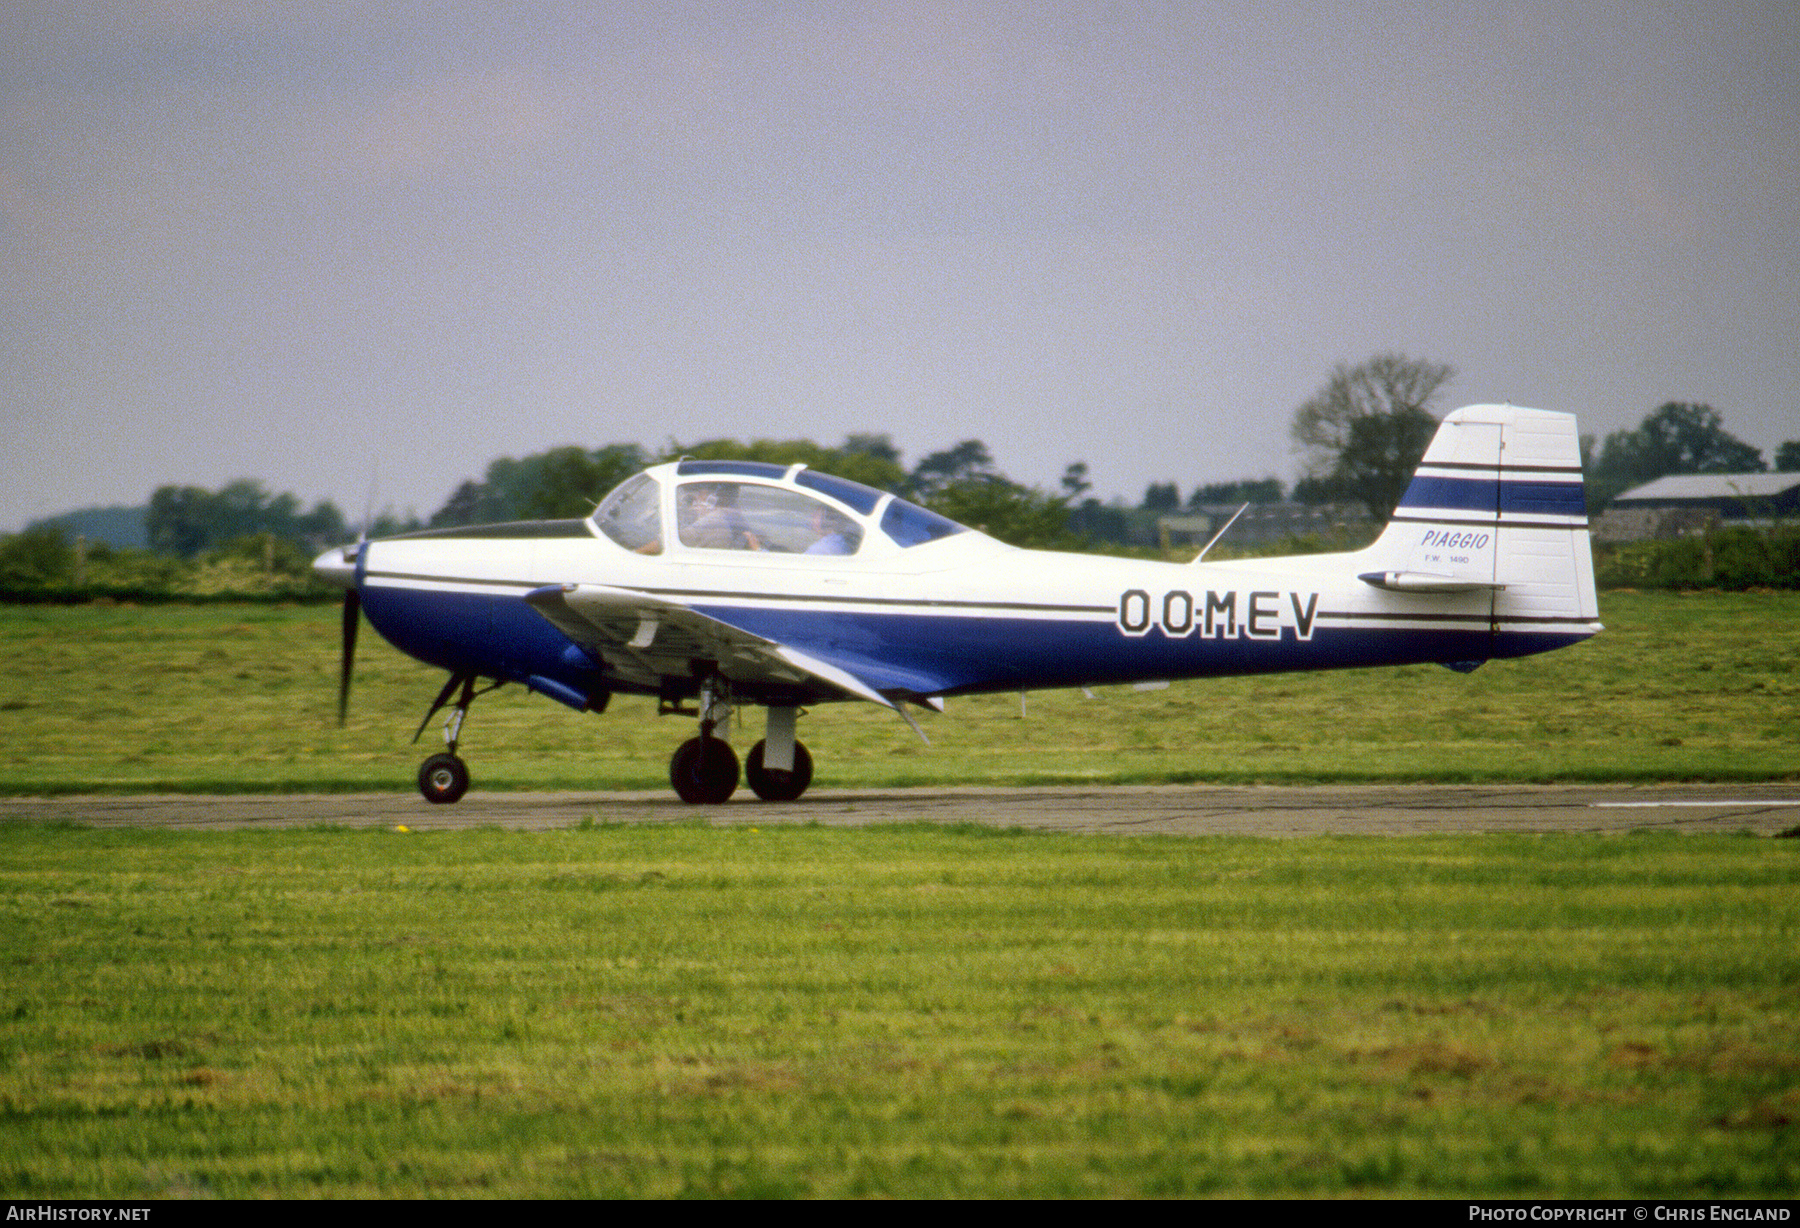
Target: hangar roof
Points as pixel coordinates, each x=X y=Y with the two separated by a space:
x=1711 y=486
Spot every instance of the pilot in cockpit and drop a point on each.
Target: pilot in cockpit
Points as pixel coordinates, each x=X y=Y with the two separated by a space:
x=709 y=518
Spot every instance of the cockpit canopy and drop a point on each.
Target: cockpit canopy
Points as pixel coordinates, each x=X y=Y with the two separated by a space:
x=751 y=505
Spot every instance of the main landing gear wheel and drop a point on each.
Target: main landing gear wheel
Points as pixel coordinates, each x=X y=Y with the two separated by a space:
x=777 y=786
x=704 y=771
x=443 y=779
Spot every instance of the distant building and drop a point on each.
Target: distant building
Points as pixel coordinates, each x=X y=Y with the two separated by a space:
x=1691 y=504
x=1265 y=524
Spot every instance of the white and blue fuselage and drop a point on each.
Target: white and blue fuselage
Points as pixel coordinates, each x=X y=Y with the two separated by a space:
x=794 y=587
x=958 y=612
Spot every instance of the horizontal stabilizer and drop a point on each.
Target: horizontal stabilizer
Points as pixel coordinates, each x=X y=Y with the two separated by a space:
x=1425 y=582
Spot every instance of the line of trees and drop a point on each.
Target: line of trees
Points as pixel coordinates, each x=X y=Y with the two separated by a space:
x=1360 y=436
x=961 y=481
x=186 y=520
x=198 y=544
x=43 y=564
x=1363 y=433
x=1676 y=437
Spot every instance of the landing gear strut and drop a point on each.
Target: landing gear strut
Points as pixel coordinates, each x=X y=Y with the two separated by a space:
x=704 y=770
x=444 y=778
x=779 y=767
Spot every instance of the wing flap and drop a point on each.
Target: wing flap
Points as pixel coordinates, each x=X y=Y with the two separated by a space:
x=648 y=637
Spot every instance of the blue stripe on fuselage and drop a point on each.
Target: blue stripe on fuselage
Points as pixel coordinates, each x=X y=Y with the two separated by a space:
x=500 y=636
x=930 y=654
x=1485 y=494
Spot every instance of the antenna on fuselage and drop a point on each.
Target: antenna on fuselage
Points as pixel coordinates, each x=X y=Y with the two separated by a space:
x=368 y=516
x=1221 y=533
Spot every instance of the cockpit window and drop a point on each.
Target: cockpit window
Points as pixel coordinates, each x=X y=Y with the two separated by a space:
x=850 y=494
x=743 y=469
x=745 y=516
x=911 y=525
x=632 y=515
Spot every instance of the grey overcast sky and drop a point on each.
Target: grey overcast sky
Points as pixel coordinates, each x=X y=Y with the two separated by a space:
x=313 y=242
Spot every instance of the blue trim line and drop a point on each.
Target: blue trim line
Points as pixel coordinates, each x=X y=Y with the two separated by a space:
x=850 y=494
x=497 y=636
x=1493 y=494
x=1544 y=498
x=731 y=468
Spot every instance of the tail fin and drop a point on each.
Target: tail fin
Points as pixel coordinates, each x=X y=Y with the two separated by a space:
x=1497 y=504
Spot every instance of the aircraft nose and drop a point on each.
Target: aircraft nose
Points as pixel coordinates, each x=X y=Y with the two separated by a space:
x=338 y=566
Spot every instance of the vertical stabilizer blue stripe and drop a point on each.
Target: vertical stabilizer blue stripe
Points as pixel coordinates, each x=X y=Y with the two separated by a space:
x=1463 y=494
x=1544 y=498
x=1484 y=494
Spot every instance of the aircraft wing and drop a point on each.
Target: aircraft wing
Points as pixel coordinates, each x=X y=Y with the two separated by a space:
x=644 y=638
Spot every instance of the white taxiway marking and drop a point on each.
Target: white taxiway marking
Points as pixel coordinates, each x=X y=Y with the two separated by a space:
x=1654 y=805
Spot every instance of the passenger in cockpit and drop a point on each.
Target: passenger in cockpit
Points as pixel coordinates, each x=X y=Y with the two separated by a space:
x=828 y=529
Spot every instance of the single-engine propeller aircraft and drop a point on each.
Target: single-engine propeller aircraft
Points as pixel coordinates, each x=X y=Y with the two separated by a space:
x=717 y=584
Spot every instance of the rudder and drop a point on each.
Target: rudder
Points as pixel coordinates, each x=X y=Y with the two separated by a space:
x=1497 y=503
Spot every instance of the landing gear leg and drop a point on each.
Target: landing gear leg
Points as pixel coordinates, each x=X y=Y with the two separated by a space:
x=445 y=778
x=704 y=770
x=779 y=767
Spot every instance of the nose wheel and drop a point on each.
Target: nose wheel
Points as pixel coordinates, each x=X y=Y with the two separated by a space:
x=443 y=779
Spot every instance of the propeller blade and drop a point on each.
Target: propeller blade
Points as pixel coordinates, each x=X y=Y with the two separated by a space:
x=352 y=616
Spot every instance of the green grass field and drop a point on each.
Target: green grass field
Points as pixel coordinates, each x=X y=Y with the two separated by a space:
x=242 y=698
x=904 y=1011
x=683 y=1009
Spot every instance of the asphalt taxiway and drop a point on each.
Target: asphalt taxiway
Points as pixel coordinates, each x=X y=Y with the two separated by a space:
x=1189 y=810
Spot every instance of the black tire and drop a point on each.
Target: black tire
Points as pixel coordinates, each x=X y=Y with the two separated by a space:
x=774 y=786
x=443 y=779
x=704 y=771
